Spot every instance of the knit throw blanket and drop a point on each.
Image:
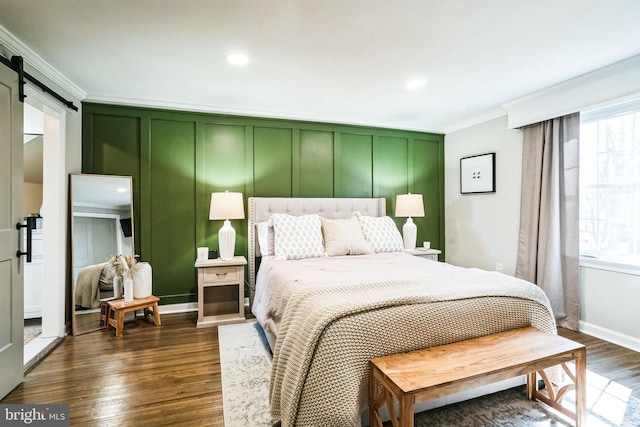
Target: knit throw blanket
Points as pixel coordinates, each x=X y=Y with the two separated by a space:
x=320 y=370
x=87 y=293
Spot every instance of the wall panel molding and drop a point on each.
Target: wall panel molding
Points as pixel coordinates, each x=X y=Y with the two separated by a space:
x=178 y=158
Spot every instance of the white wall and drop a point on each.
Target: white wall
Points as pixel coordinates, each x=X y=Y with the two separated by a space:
x=482 y=229
x=609 y=306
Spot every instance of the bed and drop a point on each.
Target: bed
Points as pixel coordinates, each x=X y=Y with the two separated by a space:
x=93 y=283
x=325 y=317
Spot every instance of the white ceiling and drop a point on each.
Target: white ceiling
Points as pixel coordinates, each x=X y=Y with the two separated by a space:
x=344 y=61
x=101 y=191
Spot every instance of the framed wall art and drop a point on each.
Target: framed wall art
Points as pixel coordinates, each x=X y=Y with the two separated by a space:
x=477 y=174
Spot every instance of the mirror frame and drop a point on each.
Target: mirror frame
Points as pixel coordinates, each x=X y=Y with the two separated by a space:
x=72 y=214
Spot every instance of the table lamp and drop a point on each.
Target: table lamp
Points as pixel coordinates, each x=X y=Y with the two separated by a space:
x=226 y=206
x=409 y=205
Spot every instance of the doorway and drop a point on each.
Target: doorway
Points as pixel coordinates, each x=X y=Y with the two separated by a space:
x=44 y=198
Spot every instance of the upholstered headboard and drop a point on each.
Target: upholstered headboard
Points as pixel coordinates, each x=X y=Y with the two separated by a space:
x=261 y=208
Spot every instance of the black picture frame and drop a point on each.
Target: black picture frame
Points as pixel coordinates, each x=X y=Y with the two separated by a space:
x=477 y=174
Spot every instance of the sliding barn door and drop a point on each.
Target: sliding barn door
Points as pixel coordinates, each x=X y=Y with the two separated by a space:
x=11 y=274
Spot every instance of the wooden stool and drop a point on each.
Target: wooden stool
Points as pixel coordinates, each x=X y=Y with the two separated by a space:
x=118 y=308
x=437 y=371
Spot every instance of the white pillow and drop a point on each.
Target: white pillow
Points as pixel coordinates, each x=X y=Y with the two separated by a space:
x=381 y=233
x=344 y=237
x=297 y=237
x=266 y=238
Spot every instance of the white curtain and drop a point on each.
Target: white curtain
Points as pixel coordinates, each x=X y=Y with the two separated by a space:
x=548 y=245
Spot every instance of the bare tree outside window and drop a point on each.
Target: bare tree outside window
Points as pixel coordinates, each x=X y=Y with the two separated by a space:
x=610 y=188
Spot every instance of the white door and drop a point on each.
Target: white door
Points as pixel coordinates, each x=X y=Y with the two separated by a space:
x=11 y=274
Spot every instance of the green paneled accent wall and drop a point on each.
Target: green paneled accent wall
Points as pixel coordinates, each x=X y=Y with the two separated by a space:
x=177 y=159
x=354 y=166
x=272 y=162
x=315 y=171
x=172 y=209
x=223 y=160
x=390 y=169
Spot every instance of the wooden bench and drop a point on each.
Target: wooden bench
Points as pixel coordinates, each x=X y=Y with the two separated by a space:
x=116 y=309
x=438 y=371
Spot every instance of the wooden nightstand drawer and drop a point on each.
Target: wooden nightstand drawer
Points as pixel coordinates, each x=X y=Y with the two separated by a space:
x=221 y=274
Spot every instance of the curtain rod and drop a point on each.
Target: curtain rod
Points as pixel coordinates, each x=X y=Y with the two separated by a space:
x=17 y=64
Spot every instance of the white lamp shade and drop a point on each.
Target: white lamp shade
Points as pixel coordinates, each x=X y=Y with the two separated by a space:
x=409 y=205
x=226 y=206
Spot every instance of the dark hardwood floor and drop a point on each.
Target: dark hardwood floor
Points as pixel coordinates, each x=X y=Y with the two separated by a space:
x=170 y=375
x=152 y=376
x=613 y=362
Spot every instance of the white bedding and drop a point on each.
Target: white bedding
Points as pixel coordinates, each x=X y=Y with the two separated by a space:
x=277 y=280
x=332 y=315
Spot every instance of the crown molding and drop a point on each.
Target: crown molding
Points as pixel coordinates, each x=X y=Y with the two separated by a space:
x=194 y=108
x=33 y=60
x=618 y=80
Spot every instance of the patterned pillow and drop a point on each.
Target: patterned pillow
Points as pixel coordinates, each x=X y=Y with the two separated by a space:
x=381 y=233
x=297 y=237
x=344 y=237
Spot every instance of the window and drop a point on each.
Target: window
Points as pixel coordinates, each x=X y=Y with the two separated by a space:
x=610 y=184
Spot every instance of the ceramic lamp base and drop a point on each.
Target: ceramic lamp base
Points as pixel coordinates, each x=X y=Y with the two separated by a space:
x=227 y=241
x=409 y=234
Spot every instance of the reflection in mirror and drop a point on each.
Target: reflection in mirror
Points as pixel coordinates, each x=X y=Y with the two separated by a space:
x=102 y=226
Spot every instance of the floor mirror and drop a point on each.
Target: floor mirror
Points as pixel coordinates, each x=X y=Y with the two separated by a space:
x=101 y=227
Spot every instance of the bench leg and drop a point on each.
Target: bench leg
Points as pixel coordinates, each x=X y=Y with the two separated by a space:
x=379 y=395
x=581 y=388
x=376 y=399
x=532 y=385
x=406 y=410
x=553 y=395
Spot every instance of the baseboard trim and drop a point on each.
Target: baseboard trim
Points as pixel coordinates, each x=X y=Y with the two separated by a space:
x=188 y=306
x=178 y=308
x=614 y=337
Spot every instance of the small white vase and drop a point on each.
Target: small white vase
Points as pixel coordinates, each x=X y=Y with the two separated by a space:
x=142 y=280
x=128 y=288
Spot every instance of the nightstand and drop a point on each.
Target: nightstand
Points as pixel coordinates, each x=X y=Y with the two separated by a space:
x=220 y=291
x=431 y=254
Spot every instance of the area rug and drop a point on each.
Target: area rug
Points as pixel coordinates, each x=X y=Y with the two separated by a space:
x=31 y=330
x=246 y=363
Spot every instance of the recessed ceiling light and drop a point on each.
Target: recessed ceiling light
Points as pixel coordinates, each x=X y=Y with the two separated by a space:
x=415 y=84
x=238 y=59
